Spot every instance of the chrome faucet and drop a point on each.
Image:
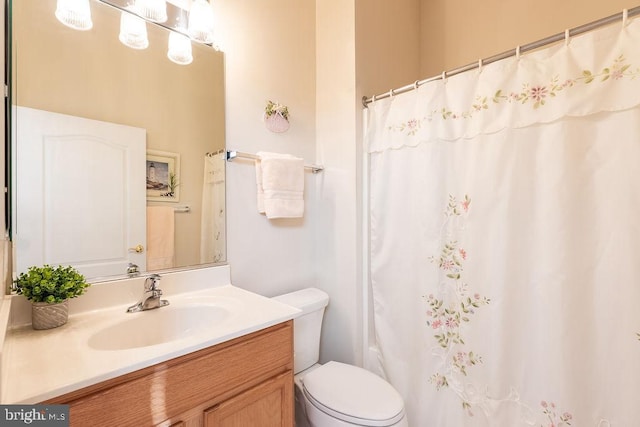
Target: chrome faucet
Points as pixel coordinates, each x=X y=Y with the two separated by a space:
x=151 y=296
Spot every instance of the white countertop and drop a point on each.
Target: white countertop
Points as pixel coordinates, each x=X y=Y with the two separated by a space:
x=39 y=365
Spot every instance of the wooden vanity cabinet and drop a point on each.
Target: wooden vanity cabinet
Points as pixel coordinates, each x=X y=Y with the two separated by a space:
x=245 y=382
x=264 y=405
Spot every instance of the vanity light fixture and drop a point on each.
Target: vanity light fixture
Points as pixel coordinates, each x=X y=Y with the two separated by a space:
x=201 y=21
x=179 y=48
x=133 y=31
x=75 y=14
x=153 y=10
x=186 y=20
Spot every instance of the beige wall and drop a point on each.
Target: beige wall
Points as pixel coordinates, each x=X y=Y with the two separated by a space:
x=458 y=32
x=387 y=44
x=301 y=53
x=270 y=54
x=92 y=75
x=337 y=236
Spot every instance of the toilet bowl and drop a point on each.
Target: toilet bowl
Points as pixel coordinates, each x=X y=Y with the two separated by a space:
x=335 y=394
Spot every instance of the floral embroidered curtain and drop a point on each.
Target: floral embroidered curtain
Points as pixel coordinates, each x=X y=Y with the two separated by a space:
x=588 y=74
x=505 y=239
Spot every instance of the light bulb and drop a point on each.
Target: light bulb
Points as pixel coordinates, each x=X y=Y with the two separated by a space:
x=179 y=48
x=133 y=31
x=75 y=14
x=201 y=21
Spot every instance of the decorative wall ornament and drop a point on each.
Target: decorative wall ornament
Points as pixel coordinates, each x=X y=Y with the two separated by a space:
x=276 y=117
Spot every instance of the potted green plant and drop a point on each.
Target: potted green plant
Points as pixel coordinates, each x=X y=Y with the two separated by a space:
x=49 y=290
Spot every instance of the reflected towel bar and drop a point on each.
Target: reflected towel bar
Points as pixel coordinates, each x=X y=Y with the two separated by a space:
x=215 y=153
x=231 y=155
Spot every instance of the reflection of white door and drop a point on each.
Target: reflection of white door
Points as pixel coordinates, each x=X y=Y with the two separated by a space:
x=81 y=194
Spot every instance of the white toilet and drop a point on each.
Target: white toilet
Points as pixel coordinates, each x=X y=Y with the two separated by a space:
x=335 y=394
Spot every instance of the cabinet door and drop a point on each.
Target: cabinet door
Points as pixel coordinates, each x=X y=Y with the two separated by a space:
x=269 y=404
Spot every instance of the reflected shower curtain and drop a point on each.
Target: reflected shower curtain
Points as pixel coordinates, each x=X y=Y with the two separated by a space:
x=212 y=221
x=505 y=239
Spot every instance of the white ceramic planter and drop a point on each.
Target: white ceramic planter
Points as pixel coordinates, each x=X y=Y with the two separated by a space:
x=47 y=316
x=276 y=123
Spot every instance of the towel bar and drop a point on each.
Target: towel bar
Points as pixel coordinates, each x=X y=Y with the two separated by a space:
x=232 y=154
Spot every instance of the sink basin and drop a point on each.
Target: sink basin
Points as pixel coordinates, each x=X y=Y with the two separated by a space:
x=159 y=326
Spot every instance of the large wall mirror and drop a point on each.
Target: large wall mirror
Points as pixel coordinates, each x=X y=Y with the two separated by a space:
x=117 y=153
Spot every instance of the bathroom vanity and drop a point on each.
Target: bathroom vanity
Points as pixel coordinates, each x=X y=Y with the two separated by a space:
x=244 y=382
x=215 y=356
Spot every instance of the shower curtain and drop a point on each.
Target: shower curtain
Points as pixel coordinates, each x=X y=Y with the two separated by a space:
x=504 y=214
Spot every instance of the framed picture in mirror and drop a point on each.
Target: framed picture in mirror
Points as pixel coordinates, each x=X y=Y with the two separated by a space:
x=163 y=176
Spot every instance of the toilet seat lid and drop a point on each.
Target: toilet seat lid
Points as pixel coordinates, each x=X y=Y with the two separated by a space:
x=353 y=394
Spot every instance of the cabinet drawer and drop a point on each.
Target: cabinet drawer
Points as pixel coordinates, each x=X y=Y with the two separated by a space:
x=157 y=393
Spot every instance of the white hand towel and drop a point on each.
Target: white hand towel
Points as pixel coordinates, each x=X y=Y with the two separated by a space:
x=280 y=185
x=259 y=189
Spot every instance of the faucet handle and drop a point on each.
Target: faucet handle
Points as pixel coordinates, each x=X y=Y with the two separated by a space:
x=151 y=283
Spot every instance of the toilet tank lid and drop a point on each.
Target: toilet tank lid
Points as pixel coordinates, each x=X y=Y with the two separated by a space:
x=307 y=300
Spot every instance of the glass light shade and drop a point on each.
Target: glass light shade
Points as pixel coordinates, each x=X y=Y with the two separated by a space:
x=201 y=21
x=133 y=31
x=153 y=10
x=179 y=49
x=75 y=14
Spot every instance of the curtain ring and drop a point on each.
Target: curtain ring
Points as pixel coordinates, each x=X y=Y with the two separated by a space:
x=416 y=84
x=373 y=99
x=480 y=65
x=625 y=16
x=391 y=93
x=444 y=76
x=518 y=52
x=566 y=37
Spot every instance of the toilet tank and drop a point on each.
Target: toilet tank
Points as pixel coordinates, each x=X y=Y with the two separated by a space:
x=307 y=325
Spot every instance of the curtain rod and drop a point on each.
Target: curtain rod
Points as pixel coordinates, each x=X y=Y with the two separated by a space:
x=622 y=16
